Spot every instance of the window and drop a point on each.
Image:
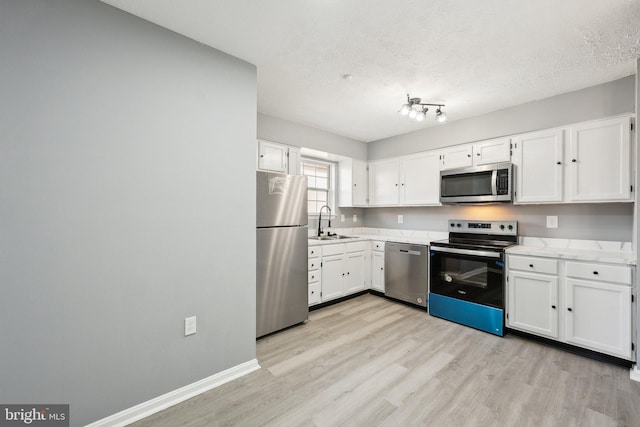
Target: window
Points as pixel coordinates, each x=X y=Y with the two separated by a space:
x=320 y=187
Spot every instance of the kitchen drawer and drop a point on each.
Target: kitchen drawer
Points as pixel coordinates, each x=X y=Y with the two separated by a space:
x=314 y=251
x=335 y=249
x=537 y=265
x=314 y=293
x=378 y=246
x=314 y=264
x=357 y=246
x=313 y=276
x=599 y=272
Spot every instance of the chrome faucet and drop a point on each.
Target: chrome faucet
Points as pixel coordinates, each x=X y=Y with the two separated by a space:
x=320 y=219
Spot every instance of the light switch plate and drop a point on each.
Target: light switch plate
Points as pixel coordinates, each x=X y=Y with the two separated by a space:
x=355 y=218
x=552 y=222
x=189 y=325
x=342 y=217
x=400 y=219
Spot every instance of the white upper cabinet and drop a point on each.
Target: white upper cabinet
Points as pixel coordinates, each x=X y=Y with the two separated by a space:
x=599 y=156
x=352 y=179
x=538 y=157
x=408 y=180
x=496 y=150
x=293 y=160
x=587 y=162
x=456 y=157
x=274 y=157
x=420 y=179
x=384 y=178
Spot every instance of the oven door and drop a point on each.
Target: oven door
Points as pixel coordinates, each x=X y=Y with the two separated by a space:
x=470 y=275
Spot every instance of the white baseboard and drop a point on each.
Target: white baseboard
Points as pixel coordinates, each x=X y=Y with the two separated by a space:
x=174 y=397
x=634 y=373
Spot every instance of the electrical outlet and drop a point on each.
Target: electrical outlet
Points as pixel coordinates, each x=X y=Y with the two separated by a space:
x=341 y=217
x=355 y=218
x=189 y=325
x=400 y=219
x=552 y=222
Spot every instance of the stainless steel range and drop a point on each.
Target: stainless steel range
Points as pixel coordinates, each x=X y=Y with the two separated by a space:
x=467 y=283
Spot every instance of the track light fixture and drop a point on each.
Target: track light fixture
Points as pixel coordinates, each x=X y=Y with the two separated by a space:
x=417 y=110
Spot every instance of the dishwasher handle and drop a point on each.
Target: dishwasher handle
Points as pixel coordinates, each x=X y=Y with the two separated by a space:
x=410 y=252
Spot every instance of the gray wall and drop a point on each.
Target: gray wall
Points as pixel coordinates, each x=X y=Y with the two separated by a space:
x=126 y=159
x=616 y=97
x=610 y=221
x=580 y=221
x=279 y=130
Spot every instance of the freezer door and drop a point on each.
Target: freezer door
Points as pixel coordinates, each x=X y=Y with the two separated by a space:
x=281 y=200
x=281 y=278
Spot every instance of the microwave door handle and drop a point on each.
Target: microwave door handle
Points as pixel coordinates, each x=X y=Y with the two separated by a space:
x=494 y=182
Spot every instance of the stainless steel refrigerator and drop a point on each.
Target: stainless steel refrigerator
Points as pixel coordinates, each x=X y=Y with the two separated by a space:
x=282 y=240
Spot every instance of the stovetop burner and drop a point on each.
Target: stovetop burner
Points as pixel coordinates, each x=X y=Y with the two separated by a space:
x=485 y=235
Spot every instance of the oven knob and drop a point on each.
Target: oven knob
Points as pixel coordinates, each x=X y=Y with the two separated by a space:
x=453 y=225
x=510 y=227
x=458 y=225
x=501 y=226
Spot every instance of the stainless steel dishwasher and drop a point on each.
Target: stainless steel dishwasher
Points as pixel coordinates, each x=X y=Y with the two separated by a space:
x=406 y=272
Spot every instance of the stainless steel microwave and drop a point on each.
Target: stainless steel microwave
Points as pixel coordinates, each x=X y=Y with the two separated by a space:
x=480 y=184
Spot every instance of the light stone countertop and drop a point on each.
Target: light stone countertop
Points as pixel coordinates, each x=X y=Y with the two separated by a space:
x=418 y=237
x=577 y=250
x=568 y=249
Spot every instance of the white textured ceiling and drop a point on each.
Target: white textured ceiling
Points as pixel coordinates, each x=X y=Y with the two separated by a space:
x=474 y=56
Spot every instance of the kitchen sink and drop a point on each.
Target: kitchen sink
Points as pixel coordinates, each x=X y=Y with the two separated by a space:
x=334 y=237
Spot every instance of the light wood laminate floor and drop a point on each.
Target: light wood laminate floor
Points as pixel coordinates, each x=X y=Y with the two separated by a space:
x=372 y=362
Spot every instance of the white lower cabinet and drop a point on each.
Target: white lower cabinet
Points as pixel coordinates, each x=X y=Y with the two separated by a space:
x=580 y=303
x=355 y=265
x=333 y=276
x=377 y=269
x=344 y=269
x=598 y=307
x=314 y=275
x=533 y=303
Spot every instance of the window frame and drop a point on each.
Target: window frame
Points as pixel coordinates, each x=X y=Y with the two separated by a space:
x=331 y=191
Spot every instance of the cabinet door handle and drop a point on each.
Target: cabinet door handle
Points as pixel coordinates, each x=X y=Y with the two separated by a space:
x=553 y=306
x=478 y=154
x=558 y=163
x=531 y=265
x=595 y=272
x=468 y=155
x=573 y=160
x=569 y=308
x=342 y=274
x=381 y=268
x=348 y=273
x=261 y=155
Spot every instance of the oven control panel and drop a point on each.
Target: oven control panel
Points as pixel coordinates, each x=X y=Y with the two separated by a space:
x=506 y=228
